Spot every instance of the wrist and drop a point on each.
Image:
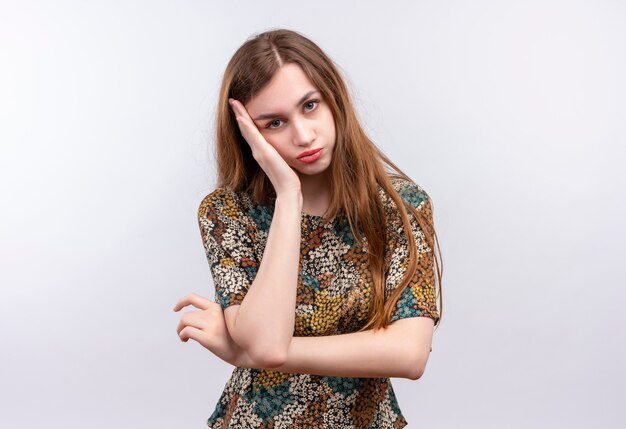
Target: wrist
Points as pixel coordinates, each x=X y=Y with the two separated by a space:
x=291 y=200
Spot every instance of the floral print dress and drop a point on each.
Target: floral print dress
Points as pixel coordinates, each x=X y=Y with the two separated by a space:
x=333 y=292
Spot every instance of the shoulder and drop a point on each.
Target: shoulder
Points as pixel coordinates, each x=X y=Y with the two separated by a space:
x=222 y=215
x=222 y=202
x=410 y=192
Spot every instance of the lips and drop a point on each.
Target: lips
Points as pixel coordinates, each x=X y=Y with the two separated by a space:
x=308 y=152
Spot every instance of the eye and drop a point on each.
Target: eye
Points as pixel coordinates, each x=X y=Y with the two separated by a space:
x=308 y=103
x=273 y=122
x=309 y=106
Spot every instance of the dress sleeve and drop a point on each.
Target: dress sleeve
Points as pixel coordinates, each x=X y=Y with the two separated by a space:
x=229 y=247
x=418 y=299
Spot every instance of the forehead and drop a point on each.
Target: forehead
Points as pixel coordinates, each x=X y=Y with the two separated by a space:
x=282 y=92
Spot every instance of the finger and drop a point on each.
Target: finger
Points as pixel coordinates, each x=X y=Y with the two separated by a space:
x=193 y=299
x=239 y=108
x=242 y=114
x=246 y=125
x=191 y=332
x=192 y=319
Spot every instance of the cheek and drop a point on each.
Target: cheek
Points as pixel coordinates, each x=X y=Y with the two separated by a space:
x=276 y=143
x=329 y=123
x=332 y=131
x=270 y=140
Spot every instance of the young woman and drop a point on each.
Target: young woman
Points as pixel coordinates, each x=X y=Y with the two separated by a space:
x=322 y=259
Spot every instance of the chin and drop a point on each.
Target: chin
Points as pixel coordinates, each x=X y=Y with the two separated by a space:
x=312 y=171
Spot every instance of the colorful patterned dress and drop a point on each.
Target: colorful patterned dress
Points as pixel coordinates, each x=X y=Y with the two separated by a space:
x=333 y=292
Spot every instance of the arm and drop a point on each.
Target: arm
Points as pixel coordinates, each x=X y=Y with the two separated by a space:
x=400 y=350
x=263 y=325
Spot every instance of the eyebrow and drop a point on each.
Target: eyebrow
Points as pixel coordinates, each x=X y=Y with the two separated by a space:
x=273 y=115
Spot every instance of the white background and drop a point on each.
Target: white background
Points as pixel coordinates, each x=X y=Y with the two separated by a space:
x=510 y=114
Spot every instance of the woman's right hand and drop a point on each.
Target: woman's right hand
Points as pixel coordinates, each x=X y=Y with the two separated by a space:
x=281 y=174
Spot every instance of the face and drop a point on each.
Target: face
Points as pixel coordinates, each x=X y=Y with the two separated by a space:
x=293 y=117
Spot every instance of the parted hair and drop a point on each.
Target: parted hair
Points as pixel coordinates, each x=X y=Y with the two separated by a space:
x=358 y=167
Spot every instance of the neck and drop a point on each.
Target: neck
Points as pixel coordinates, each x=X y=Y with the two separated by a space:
x=315 y=193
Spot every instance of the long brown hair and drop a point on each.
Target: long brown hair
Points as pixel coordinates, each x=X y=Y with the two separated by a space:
x=357 y=170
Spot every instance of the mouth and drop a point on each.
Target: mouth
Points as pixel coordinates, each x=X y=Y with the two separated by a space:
x=308 y=152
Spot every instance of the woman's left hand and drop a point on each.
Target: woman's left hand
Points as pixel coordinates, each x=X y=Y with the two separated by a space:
x=208 y=328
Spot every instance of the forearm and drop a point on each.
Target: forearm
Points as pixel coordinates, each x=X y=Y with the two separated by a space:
x=266 y=318
x=381 y=353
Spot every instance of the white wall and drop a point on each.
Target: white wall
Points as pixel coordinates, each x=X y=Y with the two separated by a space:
x=510 y=114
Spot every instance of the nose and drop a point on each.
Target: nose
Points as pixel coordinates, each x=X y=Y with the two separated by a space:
x=303 y=133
